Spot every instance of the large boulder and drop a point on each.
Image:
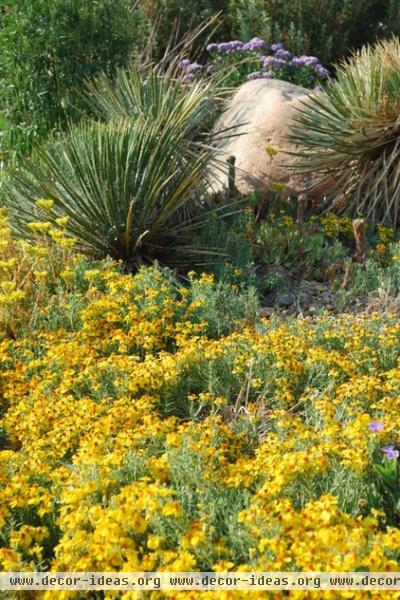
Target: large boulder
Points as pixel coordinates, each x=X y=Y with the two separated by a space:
x=262 y=109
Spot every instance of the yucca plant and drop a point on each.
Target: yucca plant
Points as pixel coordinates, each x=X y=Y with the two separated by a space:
x=153 y=94
x=132 y=185
x=349 y=135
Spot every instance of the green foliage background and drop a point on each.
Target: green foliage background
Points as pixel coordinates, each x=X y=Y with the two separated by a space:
x=48 y=48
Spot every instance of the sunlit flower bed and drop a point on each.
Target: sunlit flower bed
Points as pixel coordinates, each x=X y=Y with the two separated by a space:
x=138 y=436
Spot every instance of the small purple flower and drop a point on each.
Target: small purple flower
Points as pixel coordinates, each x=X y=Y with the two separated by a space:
x=272 y=61
x=310 y=60
x=390 y=451
x=222 y=47
x=212 y=47
x=297 y=61
x=267 y=61
x=277 y=46
x=321 y=71
x=301 y=61
x=255 y=44
x=235 y=46
x=281 y=53
x=375 y=426
x=184 y=63
x=268 y=75
x=227 y=47
x=209 y=69
x=254 y=75
x=190 y=68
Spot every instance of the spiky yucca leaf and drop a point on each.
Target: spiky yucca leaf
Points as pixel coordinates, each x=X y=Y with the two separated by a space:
x=161 y=90
x=132 y=187
x=349 y=135
x=133 y=94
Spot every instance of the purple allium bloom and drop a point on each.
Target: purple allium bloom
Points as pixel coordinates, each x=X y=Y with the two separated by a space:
x=212 y=47
x=375 y=426
x=390 y=451
x=281 y=53
x=189 y=77
x=276 y=47
x=268 y=75
x=184 y=63
x=254 y=75
x=209 y=68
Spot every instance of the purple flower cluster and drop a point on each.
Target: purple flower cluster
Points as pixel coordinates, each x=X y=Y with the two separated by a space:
x=321 y=71
x=282 y=59
x=191 y=68
x=281 y=53
x=299 y=61
x=311 y=61
x=280 y=63
x=261 y=75
x=274 y=62
x=254 y=45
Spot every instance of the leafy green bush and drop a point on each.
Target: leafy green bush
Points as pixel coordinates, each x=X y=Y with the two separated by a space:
x=230 y=231
x=381 y=272
x=133 y=188
x=327 y=29
x=307 y=250
x=48 y=48
x=172 y=19
x=350 y=136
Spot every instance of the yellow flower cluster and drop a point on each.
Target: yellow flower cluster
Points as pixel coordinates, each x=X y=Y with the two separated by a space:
x=136 y=442
x=334 y=225
x=386 y=234
x=26 y=269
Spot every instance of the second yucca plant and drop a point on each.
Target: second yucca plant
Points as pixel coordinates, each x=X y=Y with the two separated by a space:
x=349 y=135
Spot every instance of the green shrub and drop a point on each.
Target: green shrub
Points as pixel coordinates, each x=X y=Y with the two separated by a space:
x=327 y=29
x=350 y=136
x=133 y=188
x=232 y=236
x=48 y=48
x=307 y=250
x=172 y=19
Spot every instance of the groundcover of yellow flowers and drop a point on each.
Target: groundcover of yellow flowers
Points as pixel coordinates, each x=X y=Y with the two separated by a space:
x=135 y=437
